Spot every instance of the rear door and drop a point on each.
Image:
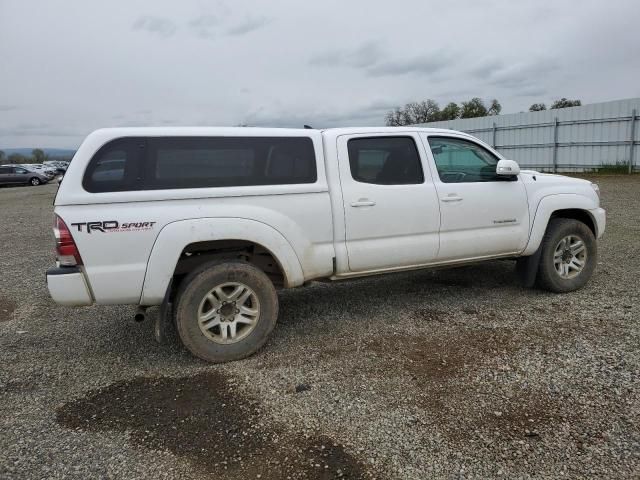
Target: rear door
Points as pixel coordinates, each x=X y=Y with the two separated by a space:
x=483 y=214
x=390 y=204
x=6 y=175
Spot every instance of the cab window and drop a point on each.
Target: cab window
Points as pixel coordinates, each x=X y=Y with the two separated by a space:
x=461 y=161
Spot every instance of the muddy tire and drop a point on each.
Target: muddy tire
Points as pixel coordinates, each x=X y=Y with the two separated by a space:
x=569 y=256
x=226 y=310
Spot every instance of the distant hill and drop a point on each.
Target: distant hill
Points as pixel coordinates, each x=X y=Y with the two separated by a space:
x=52 y=152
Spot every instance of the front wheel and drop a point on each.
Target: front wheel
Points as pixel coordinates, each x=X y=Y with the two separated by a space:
x=569 y=256
x=35 y=181
x=225 y=311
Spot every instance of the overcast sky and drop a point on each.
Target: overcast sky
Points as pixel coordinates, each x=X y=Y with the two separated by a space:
x=68 y=67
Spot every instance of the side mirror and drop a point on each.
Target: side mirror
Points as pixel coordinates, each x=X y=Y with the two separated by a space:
x=507 y=167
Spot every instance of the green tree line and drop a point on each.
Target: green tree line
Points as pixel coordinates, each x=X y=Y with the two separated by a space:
x=429 y=110
x=37 y=156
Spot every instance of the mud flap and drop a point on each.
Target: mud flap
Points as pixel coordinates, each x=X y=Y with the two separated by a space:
x=164 y=330
x=527 y=268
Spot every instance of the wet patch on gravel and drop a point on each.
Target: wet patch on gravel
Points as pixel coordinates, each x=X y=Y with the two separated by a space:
x=443 y=369
x=208 y=421
x=7 y=307
x=16 y=386
x=432 y=315
x=441 y=357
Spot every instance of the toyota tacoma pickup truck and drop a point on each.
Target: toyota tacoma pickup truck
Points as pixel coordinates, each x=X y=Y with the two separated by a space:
x=208 y=223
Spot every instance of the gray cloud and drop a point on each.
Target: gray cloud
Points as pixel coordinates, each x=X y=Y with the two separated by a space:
x=249 y=25
x=376 y=62
x=534 y=92
x=210 y=26
x=425 y=64
x=366 y=114
x=205 y=26
x=155 y=63
x=516 y=75
x=487 y=68
x=35 y=129
x=360 y=57
x=160 y=26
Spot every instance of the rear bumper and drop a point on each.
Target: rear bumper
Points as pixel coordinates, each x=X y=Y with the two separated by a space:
x=599 y=216
x=67 y=286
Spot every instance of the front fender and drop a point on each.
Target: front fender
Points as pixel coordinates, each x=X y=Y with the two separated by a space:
x=545 y=209
x=176 y=235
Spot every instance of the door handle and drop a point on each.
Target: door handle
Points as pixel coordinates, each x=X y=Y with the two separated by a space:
x=451 y=198
x=363 y=202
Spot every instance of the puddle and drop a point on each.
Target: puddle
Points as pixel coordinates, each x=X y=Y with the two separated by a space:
x=204 y=419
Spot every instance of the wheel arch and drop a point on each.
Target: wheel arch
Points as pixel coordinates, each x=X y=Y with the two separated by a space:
x=211 y=238
x=583 y=216
x=572 y=206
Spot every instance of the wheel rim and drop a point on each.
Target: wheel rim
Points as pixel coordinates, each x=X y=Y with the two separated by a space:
x=35 y=181
x=570 y=256
x=228 y=312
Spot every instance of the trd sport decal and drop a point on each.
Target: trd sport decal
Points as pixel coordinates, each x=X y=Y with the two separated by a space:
x=113 y=226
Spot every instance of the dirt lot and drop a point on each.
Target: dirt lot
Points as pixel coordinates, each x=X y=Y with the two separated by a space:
x=433 y=374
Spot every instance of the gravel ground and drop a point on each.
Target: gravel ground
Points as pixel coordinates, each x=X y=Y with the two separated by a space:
x=453 y=373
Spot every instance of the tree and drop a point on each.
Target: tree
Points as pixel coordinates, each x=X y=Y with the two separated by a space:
x=473 y=108
x=450 y=112
x=2 y=156
x=38 y=155
x=564 y=103
x=413 y=113
x=423 y=112
x=429 y=111
x=537 y=107
x=16 y=158
x=495 y=108
x=394 y=118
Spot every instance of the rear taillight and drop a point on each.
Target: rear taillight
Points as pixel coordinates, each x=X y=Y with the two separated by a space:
x=66 y=250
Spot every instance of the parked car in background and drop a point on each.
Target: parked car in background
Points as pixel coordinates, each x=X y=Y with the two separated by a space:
x=41 y=169
x=17 y=174
x=58 y=165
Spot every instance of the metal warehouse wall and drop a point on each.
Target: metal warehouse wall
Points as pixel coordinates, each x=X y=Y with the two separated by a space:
x=576 y=138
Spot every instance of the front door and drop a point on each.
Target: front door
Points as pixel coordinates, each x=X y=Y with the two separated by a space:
x=483 y=214
x=390 y=203
x=21 y=175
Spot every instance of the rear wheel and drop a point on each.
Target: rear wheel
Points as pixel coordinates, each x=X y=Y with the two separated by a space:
x=226 y=310
x=569 y=256
x=35 y=181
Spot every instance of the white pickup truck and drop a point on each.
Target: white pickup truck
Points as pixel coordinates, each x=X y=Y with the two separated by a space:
x=212 y=221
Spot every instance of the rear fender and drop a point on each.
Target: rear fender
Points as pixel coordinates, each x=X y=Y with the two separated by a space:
x=175 y=236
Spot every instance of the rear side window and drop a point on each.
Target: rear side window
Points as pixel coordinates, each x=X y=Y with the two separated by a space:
x=116 y=166
x=385 y=161
x=200 y=162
